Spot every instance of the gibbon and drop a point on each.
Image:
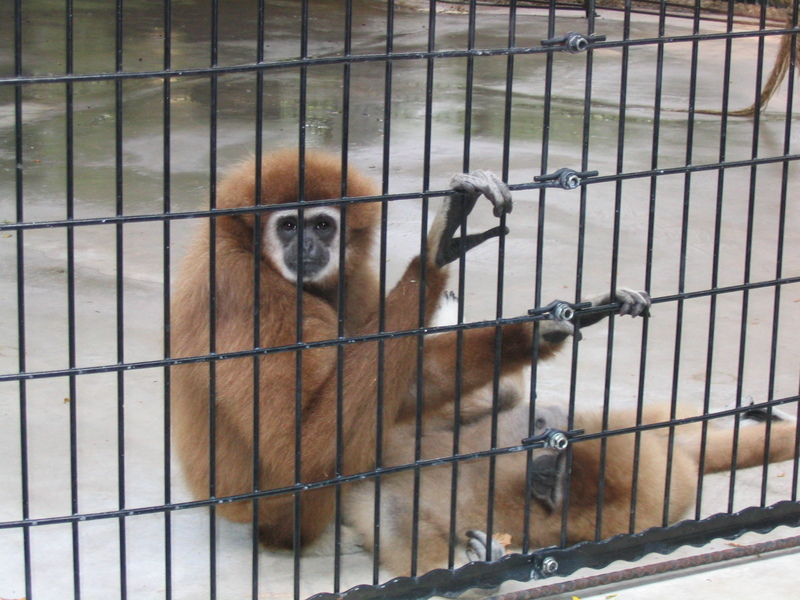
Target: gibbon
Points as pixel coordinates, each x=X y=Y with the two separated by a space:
x=307 y=247
x=548 y=479
x=247 y=456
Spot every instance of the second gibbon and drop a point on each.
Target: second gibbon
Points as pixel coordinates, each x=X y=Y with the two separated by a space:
x=548 y=480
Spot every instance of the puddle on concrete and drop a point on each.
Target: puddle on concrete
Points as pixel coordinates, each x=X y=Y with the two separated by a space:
x=136 y=179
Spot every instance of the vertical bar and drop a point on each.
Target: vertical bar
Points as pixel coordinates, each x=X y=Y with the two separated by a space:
x=655 y=143
x=537 y=290
x=167 y=257
x=342 y=298
x=257 y=253
x=21 y=336
x=687 y=181
x=383 y=244
x=780 y=251
x=512 y=42
x=71 y=327
x=716 y=254
x=648 y=278
x=212 y=286
x=748 y=247
x=601 y=483
x=423 y=272
x=623 y=107
x=120 y=304
x=303 y=108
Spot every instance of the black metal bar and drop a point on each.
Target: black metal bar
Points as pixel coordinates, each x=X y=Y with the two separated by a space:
x=214 y=212
x=426 y=175
x=382 y=288
x=342 y=299
x=299 y=312
x=130 y=512
x=213 y=357
x=71 y=304
x=258 y=222
x=167 y=297
x=595 y=555
x=120 y=297
x=212 y=311
x=303 y=62
x=670 y=566
x=781 y=238
x=19 y=208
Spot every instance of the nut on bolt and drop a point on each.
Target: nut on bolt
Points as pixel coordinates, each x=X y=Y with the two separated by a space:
x=563 y=312
x=569 y=180
x=557 y=440
x=549 y=566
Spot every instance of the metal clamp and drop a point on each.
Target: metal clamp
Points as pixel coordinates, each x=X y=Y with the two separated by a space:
x=567 y=179
x=574 y=42
x=558 y=310
x=552 y=438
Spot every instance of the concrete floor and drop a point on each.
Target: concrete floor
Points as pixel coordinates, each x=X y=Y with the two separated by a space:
x=145 y=477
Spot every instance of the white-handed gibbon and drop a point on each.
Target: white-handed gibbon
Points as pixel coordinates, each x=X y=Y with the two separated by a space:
x=306 y=246
x=547 y=479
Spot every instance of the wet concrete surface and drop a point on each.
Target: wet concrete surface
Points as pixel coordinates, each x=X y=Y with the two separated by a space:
x=137 y=182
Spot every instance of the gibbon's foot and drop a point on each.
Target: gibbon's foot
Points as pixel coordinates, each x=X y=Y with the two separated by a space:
x=467 y=188
x=477 y=548
x=761 y=415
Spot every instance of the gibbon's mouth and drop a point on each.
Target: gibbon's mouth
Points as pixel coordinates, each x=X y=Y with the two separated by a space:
x=311 y=266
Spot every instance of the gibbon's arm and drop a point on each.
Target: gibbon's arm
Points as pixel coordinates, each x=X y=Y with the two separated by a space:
x=516 y=349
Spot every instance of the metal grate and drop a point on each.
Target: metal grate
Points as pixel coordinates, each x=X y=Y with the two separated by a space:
x=631 y=161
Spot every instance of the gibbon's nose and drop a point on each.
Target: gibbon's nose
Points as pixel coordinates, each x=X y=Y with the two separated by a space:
x=308 y=243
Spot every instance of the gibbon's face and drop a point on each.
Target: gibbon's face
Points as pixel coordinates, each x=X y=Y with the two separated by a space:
x=319 y=254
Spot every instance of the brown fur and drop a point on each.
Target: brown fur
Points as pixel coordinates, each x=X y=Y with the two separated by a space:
x=397 y=491
x=234 y=391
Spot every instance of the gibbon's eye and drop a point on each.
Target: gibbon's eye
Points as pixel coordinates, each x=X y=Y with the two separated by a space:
x=288 y=225
x=323 y=225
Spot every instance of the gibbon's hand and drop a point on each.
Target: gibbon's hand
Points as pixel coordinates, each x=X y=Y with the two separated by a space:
x=633 y=303
x=467 y=188
x=477 y=548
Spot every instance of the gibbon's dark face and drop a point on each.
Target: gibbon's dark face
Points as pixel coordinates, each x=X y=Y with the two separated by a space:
x=320 y=243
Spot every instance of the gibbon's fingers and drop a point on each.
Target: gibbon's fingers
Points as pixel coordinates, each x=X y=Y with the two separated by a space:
x=488 y=184
x=477 y=547
x=631 y=303
x=467 y=188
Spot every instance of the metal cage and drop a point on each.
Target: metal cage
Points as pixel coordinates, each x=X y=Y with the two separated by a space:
x=623 y=132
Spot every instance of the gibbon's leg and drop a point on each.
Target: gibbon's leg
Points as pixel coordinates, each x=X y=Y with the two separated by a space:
x=751 y=449
x=516 y=350
x=359 y=383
